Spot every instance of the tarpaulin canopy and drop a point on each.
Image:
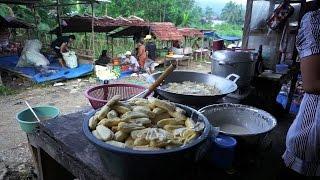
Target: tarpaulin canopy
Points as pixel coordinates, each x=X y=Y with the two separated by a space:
x=226 y=38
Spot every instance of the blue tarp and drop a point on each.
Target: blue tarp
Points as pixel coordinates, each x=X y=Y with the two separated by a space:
x=226 y=38
x=39 y=75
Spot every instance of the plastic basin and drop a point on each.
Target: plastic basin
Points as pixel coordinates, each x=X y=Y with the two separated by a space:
x=29 y=123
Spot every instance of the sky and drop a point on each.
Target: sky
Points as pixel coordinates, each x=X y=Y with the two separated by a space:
x=217 y=5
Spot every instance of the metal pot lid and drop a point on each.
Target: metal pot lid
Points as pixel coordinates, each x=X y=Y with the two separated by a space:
x=233 y=56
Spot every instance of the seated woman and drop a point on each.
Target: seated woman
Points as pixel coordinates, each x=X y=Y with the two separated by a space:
x=132 y=61
x=104 y=58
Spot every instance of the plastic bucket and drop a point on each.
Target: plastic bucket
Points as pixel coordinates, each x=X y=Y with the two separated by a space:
x=223 y=148
x=29 y=123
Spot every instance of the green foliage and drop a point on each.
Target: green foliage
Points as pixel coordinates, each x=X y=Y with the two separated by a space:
x=4 y=10
x=6 y=91
x=233 y=13
x=209 y=13
x=229 y=29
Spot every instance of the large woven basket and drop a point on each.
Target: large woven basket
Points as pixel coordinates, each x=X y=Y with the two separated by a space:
x=99 y=95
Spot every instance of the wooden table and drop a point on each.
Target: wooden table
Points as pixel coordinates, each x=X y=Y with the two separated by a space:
x=201 y=53
x=61 y=151
x=177 y=58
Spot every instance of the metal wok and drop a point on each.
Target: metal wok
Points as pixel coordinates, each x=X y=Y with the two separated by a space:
x=225 y=85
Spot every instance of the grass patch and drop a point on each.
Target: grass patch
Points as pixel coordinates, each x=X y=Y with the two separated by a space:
x=6 y=91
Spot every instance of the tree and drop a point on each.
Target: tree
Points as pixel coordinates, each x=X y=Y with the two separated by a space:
x=233 y=13
x=208 y=13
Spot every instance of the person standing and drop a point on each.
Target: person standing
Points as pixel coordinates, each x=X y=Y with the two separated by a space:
x=151 y=49
x=302 y=153
x=142 y=54
x=60 y=45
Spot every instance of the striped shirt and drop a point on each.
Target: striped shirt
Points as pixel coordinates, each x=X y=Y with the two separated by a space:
x=303 y=139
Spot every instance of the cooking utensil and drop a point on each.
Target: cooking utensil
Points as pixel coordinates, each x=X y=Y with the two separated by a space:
x=234 y=62
x=155 y=84
x=34 y=114
x=239 y=120
x=127 y=163
x=225 y=85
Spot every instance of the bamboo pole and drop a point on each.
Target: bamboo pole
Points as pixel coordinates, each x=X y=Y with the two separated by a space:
x=92 y=28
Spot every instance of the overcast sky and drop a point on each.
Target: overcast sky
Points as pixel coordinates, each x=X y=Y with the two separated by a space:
x=217 y=5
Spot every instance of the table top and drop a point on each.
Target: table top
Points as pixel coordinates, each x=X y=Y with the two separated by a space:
x=62 y=138
x=70 y=147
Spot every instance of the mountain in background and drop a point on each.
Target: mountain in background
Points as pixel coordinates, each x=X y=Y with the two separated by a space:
x=217 y=5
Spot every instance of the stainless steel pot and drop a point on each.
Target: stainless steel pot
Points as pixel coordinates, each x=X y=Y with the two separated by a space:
x=230 y=62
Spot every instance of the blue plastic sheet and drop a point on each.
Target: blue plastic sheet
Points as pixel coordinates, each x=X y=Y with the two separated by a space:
x=51 y=73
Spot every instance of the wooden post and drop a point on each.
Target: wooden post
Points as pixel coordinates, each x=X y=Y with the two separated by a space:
x=58 y=19
x=295 y=65
x=112 y=47
x=35 y=20
x=92 y=28
x=246 y=28
x=86 y=39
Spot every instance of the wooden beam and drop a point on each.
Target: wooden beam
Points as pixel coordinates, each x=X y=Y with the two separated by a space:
x=20 y=1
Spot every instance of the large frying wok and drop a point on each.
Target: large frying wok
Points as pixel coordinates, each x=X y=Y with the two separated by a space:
x=225 y=85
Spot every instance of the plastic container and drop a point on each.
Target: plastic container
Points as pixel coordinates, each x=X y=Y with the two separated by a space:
x=282 y=68
x=223 y=148
x=99 y=95
x=126 y=163
x=29 y=123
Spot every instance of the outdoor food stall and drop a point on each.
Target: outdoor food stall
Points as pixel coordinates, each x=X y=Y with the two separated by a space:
x=182 y=125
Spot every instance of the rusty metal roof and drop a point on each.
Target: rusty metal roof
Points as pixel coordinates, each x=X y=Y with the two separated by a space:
x=190 y=32
x=120 y=27
x=13 y=22
x=101 y=24
x=165 y=31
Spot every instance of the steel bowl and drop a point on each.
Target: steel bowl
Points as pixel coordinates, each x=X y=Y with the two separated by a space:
x=239 y=120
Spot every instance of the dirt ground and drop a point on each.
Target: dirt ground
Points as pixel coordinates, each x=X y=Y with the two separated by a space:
x=15 y=158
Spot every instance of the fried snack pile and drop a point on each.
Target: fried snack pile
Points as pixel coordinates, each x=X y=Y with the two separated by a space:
x=144 y=124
